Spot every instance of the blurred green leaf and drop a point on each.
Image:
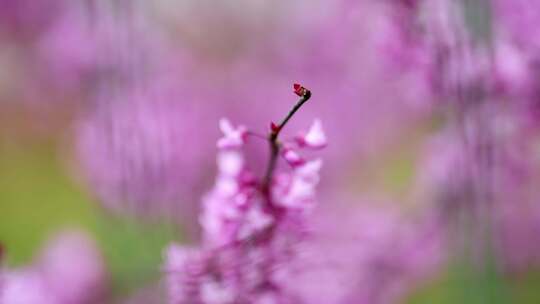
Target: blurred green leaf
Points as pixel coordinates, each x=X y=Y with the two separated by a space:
x=38 y=198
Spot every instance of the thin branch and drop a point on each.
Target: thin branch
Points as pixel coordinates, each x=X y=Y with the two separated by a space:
x=273 y=137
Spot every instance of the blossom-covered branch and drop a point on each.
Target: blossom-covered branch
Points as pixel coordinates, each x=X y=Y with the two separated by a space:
x=250 y=225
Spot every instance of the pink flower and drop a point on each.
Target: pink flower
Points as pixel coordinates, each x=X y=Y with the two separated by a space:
x=297 y=190
x=292 y=157
x=314 y=138
x=233 y=137
x=234 y=208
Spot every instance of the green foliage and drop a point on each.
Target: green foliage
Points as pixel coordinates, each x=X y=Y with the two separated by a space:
x=38 y=198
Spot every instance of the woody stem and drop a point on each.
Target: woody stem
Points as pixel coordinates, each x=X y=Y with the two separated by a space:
x=274 y=144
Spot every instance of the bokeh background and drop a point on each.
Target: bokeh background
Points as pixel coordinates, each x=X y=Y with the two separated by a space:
x=109 y=116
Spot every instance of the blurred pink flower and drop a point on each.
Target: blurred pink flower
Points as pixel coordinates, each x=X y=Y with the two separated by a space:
x=25 y=287
x=91 y=47
x=146 y=152
x=456 y=59
x=520 y=19
x=517 y=235
x=233 y=138
x=23 y=19
x=314 y=138
x=70 y=270
x=502 y=198
x=518 y=23
x=374 y=255
x=1 y=269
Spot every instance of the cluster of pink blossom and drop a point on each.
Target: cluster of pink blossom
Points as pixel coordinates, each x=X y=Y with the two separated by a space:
x=69 y=270
x=251 y=226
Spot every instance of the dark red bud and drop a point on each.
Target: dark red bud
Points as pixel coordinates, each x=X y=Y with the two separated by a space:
x=299 y=90
x=274 y=127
